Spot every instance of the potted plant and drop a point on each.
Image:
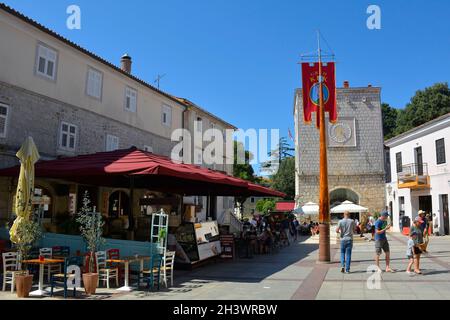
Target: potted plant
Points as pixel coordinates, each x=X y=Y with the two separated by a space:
x=28 y=233
x=162 y=234
x=91 y=228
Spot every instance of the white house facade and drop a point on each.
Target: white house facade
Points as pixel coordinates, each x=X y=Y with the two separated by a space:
x=418 y=174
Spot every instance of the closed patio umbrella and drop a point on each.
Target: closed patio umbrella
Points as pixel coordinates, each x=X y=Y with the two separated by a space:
x=28 y=156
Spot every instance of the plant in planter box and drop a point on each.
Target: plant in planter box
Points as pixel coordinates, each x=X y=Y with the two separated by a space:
x=28 y=232
x=91 y=228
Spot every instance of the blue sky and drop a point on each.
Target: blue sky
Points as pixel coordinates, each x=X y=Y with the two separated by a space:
x=238 y=58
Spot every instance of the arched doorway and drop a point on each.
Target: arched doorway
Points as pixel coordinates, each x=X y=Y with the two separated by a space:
x=340 y=195
x=119 y=204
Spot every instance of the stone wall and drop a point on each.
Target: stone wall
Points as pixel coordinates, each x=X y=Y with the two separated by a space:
x=41 y=117
x=358 y=168
x=369 y=188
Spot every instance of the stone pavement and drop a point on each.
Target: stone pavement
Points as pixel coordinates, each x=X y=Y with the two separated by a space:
x=293 y=273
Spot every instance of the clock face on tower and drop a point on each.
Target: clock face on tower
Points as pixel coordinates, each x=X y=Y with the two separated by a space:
x=342 y=133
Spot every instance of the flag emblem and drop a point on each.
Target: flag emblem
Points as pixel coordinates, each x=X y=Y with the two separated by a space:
x=314 y=93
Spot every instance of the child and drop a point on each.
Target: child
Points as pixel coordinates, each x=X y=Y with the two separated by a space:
x=410 y=252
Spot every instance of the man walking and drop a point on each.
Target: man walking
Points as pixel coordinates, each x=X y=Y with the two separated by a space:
x=381 y=242
x=346 y=228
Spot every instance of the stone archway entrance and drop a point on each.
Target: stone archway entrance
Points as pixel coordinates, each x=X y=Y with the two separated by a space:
x=340 y=195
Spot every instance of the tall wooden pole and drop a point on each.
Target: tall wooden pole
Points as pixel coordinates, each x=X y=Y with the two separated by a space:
x=324 y=202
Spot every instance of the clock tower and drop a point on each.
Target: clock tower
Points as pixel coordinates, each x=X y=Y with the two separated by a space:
x=355 y=150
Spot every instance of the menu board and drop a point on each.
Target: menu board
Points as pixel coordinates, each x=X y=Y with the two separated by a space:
x=199 y=240
x=208 y=240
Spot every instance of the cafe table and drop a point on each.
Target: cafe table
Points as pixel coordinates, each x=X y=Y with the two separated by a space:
x=126 y=262
x=41 y=292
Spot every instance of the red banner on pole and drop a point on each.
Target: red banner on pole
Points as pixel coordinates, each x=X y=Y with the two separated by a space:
x=310 y=79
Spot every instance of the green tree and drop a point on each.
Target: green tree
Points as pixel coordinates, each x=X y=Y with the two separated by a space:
x=283 y=150
x=389 y=115
x=424 y=106
x=284 y=179
x=264 y=205
x=244 y=170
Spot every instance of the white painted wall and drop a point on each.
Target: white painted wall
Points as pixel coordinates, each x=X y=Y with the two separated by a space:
x=424 y=137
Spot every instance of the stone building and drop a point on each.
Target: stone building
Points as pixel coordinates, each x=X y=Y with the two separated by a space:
x=355 y=150
x=72 y=102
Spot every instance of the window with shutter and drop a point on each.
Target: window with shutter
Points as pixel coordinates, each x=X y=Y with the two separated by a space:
x=112 y=142
x=94 y=83
x=46 y=62
x=166 y=115
x=199 y=125
x=3 y=119
x=398 y=160
x=67 y=136
x=130 y=99
x=440 y=151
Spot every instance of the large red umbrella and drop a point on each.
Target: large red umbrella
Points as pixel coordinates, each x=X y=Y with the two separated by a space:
x=147 y=170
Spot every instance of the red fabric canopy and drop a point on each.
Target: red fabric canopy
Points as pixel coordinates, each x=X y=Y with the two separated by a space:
x=285 y=206
x=146 y=170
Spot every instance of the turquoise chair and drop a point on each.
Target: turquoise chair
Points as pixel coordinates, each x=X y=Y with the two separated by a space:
x=60 y=280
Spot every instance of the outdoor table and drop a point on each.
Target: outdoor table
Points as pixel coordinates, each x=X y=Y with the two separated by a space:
x=40 y=292
x=126 y=261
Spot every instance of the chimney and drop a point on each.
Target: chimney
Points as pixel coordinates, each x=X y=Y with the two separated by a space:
x=346 y=84
x=125 y=63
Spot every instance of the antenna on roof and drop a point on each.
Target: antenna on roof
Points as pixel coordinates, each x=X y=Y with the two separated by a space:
x=158 y=79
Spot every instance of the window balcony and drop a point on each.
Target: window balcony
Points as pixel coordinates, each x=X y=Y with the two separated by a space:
x=414 y=176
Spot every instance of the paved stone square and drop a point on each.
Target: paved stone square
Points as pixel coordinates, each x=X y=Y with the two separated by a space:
x=293 y=273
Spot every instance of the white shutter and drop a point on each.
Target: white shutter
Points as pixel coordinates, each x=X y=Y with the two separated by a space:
x=112 y=142
x=166 y=115
x=94 y=83
x=130 y=99
x=3 y=119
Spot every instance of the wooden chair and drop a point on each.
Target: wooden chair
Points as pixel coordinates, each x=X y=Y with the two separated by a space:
x=115 y=254
x=60 y=279
x=105 y=273
x=167 y=267
x=152 y=275
x=11 y=267
x=49 y=268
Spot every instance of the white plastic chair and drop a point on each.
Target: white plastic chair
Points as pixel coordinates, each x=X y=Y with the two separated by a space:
x=167 y=267
x=11 y=266
x=104 y=272
x=49 y=268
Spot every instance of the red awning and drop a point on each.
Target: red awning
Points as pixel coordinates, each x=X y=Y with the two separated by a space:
x=134 y=167
x=285 y=206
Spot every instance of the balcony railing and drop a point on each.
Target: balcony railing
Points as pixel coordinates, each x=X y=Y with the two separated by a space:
x=414 y=176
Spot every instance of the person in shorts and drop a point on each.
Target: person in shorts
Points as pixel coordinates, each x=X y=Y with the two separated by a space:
x=410 y=252
x=381 y=242
x=417 y=243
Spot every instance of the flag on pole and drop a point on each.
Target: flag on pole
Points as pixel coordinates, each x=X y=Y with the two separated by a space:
x=290 y=134
x=310 y=79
